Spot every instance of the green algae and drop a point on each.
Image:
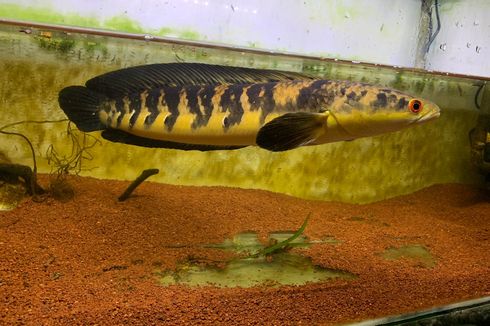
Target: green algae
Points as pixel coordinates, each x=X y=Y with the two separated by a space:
x=339 y=13
x=121 y=22
x=284 y=269
x=417 y=253
x=398 y=82
x=92 y=47
x=253 y=45
x=279 y=268
x=419 y=86
x=165 y=31
x=62 y=45
x=189 y=34
x=46 y=15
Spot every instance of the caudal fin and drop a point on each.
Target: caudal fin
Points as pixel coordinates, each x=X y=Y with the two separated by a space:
x=82 y=105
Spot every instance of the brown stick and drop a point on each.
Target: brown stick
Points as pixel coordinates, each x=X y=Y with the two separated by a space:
x=25 y=172
x=143 y=176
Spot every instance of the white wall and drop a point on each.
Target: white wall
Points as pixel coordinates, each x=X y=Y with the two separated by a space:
x=380 y=31
x=463 y=44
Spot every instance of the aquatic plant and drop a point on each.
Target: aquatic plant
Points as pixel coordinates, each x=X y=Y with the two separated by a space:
x=63 y=165
x=73 y=162
x=274 y=248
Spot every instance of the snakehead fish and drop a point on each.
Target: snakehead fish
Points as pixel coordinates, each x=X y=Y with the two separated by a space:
x=194 y=106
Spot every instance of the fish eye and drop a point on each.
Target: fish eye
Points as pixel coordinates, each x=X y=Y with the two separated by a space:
x=415 y=106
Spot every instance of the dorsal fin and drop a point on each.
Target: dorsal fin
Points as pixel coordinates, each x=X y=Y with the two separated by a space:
x=136 y=79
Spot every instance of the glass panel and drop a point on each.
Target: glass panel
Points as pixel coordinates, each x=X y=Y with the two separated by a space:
x=344 y=232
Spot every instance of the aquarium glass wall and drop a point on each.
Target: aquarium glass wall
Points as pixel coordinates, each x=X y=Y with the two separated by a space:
x=335 y=233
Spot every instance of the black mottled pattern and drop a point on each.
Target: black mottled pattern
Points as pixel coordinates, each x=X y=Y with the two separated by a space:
x=254 y=99
x=120 y=108
x=134 y=106
x=318 y=84
x=206 y=94
x=172 y=99
x=353 y=96
x=402 y=103
x=392 y=99
x=265 y=103
x=230 y=102
x=226 y=123
x=192 y=93
x=312 y=97
x=269 y=102
x=329 y=97
x=152 y=106
x=381 y=101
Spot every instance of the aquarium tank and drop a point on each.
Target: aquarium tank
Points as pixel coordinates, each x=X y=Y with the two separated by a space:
x=191 y=162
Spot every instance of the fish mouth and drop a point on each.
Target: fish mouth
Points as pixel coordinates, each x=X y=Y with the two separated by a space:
x=429 y=116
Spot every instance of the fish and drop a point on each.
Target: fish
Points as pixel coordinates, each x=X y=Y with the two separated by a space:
x=195 y=106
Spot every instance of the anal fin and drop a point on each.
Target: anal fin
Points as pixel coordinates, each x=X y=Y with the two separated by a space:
x=119 y=136
x=291 y=130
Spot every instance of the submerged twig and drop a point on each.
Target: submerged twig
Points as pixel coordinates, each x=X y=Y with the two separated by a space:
x=29 y=175
x=280 y=245
x=143 y=176
x=25 y=172
x=33 y=179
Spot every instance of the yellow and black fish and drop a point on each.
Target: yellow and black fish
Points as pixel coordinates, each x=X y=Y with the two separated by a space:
x=207 y=107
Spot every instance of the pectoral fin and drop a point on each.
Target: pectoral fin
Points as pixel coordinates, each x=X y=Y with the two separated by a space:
x=291 y=130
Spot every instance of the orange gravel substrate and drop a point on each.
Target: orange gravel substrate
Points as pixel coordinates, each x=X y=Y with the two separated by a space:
x=92 y=260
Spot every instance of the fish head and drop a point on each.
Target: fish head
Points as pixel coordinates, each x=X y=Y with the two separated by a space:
x=373 y=111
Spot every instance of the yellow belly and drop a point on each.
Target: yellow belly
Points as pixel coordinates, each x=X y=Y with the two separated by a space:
x=213 y=133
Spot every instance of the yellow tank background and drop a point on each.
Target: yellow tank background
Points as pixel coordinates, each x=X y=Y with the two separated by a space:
x=35 y=67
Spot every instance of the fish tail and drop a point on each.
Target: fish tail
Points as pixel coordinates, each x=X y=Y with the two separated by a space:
x=81 y=105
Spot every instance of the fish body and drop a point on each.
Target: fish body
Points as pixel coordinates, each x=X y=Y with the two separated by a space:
x=235 y=108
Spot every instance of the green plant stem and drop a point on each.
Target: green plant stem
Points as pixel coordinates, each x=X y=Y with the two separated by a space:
x=280 y=245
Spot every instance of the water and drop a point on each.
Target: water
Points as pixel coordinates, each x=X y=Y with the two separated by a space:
x=55 y=59
x=362 y=241
x=248 y=271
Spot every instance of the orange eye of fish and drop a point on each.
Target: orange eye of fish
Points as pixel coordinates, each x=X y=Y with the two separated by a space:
x=415 y=106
